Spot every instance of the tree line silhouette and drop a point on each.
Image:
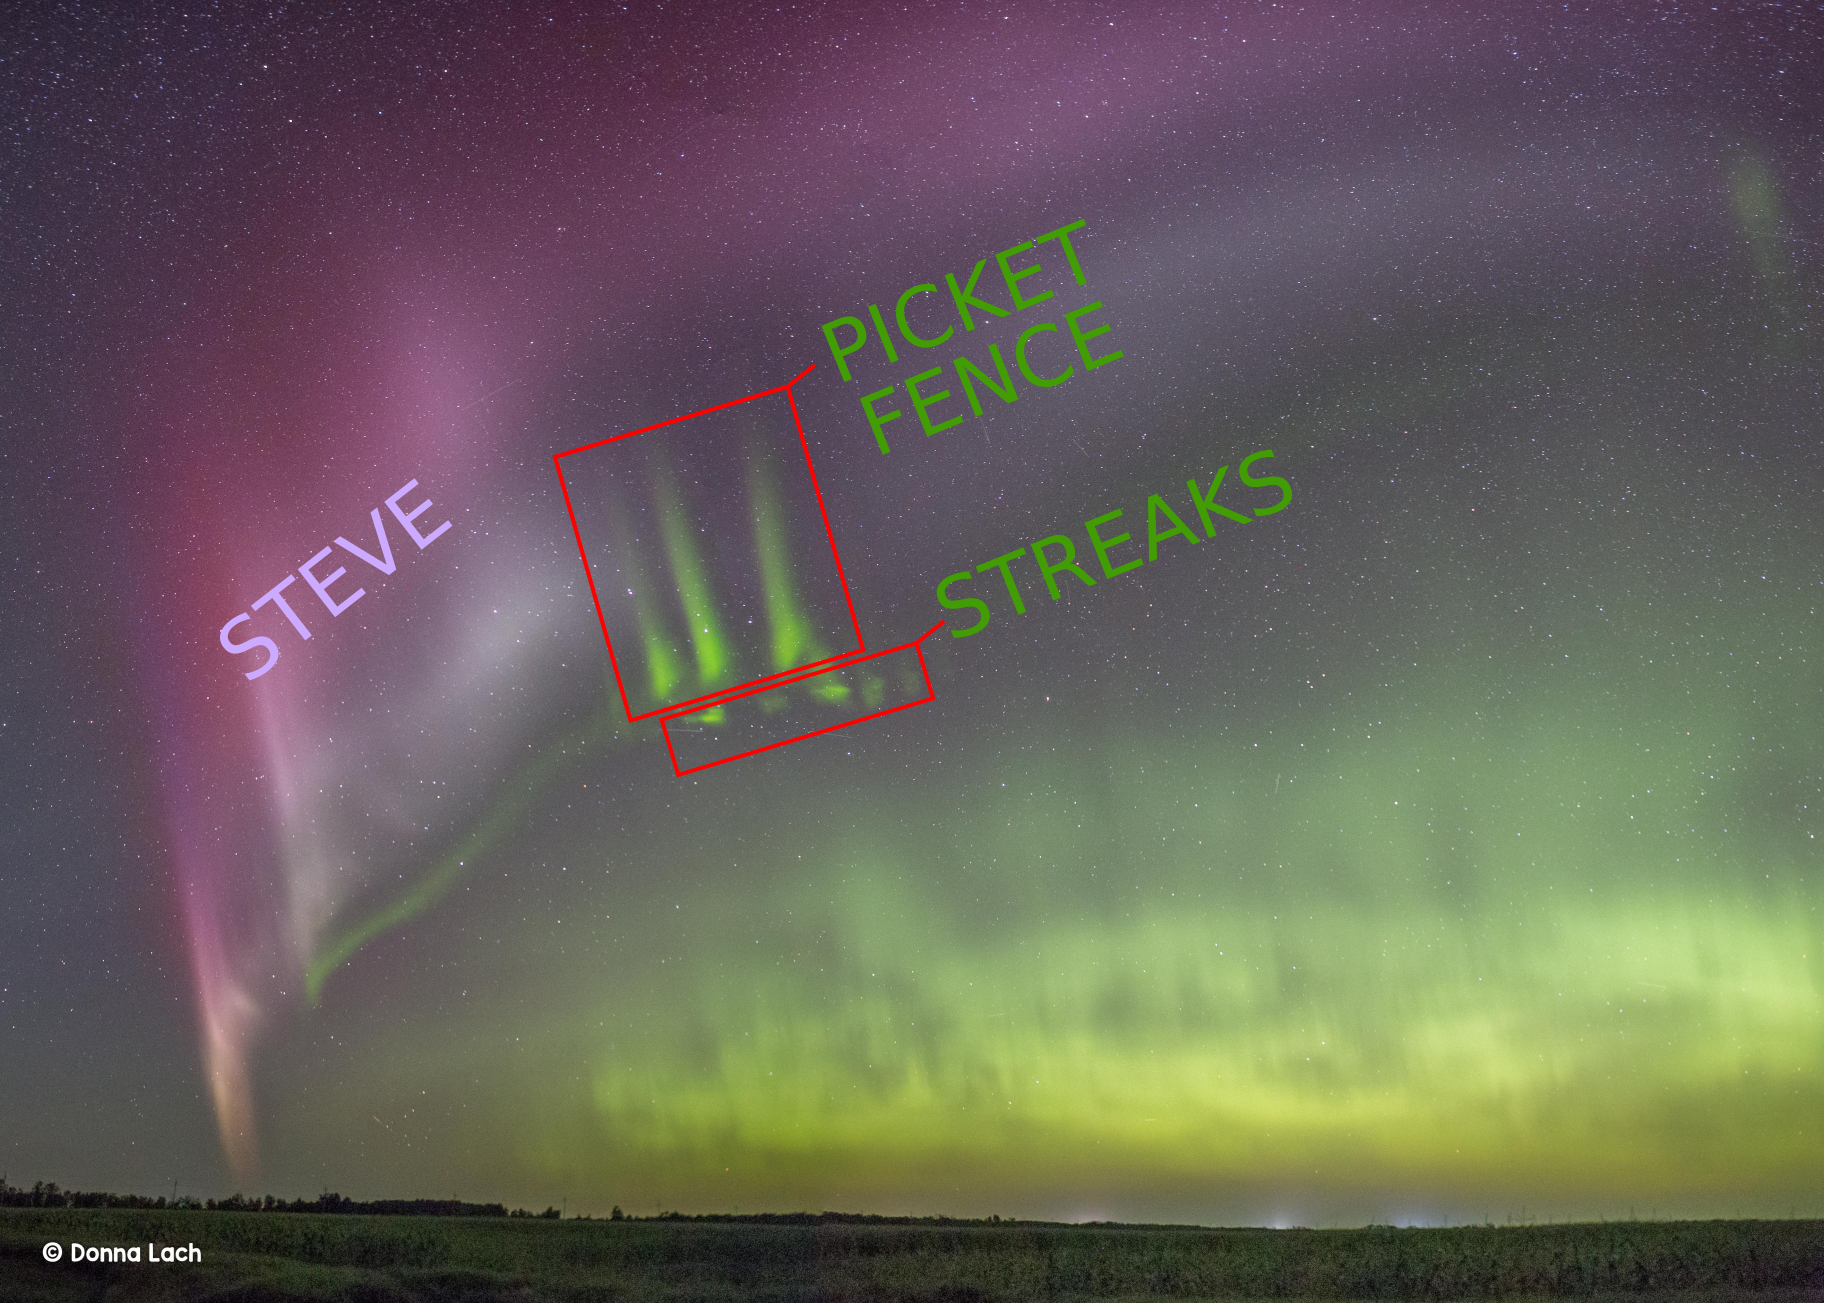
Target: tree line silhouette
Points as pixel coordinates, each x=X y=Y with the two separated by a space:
x=47 y=1195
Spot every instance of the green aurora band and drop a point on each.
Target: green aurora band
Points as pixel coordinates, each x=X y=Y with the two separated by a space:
x=1537 y=937
x=1147 y=964
x=1534 y=919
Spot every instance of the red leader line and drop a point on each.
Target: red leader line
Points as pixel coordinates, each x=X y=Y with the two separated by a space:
x=818 y=490
x=733 y=402
x=589 y=574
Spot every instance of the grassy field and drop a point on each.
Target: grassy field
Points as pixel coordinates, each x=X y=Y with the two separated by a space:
x=257 y=1257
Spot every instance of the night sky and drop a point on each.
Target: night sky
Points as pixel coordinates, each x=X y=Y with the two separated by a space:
x=1439 y=846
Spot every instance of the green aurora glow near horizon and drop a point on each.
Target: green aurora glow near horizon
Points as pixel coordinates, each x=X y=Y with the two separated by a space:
x=1532 y=934
x=1488 y=926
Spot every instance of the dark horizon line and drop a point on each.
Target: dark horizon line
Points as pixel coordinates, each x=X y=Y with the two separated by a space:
x=48 y=1195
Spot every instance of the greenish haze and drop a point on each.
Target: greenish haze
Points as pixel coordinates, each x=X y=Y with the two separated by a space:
x=1755 y=196
x=1524 y=908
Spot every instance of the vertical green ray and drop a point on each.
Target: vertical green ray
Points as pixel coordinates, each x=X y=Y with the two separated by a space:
x=662 y=668
x=1754 y=194
x=694 y=593
x=794 y=642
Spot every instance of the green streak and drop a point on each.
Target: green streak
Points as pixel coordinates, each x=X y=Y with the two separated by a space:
x=694 y=593
x=505 y=815
x=794 y=643
x=662 y=668
x=502 y=818
x=1755 y=196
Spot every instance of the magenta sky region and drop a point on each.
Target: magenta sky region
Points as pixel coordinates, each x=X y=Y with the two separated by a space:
x=322 y=583
x=408 y=297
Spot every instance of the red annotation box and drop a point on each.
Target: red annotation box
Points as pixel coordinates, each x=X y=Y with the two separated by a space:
x=719 y=586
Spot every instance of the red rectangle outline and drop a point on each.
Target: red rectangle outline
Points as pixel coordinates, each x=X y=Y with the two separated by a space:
x=918 y=644
x=614 y=662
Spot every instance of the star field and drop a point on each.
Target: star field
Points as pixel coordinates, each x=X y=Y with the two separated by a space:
x=1442 y=843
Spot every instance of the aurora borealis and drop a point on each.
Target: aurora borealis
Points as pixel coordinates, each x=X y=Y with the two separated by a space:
x=1438 y=847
